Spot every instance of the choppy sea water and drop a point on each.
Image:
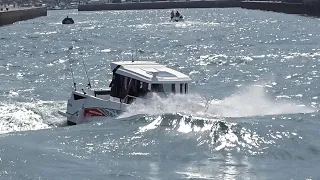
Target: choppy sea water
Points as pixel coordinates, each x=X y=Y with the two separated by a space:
x=257 y=72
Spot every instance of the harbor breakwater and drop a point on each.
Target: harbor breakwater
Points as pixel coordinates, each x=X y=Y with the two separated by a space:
x=21 y=14
x=282 y=7
x=160 y=5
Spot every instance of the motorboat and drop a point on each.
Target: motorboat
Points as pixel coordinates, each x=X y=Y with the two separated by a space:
x=131 y=80
x=67 y=20
x=177 y=18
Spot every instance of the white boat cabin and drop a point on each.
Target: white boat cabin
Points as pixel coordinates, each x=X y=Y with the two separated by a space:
x=137 y=78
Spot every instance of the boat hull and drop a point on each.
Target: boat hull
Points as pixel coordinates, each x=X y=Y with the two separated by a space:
x=177 y=19
x=68 y=21
x=83 y=108
x=70 y=123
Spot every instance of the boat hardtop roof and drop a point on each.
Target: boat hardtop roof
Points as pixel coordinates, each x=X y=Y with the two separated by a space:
x=149 y=72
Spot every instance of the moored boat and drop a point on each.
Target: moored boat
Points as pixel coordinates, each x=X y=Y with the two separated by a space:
x=67 y=20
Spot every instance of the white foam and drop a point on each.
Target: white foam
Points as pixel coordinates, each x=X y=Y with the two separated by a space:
x=254 y=101
x=154 y=105
x=251 y=101
x=21 y=116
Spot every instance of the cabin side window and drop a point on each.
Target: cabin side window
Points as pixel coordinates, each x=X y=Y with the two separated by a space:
x=173 y=88
x=127 y=88
x=183 y=88
x=186 y=88
x=164 y=88
x=170 y=88
x=157 y=88
x=117 y=86
x=114 y=84
x=133 y=87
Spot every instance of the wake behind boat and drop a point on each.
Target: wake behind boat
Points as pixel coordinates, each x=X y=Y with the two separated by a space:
x=131 y=80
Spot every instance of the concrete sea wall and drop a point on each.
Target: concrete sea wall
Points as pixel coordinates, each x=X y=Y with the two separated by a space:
x=286 y=6
x=159 y=5
x=21 y=14
x=283 y=7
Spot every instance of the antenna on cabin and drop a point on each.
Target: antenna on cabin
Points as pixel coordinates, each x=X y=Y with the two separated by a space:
x=132 y=55
x=137 y=54
x=71 y=70
x=85 y=69
x=136 y=51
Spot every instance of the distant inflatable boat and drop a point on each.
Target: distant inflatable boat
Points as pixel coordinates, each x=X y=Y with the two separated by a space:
x=67 y=20
x=177 y=19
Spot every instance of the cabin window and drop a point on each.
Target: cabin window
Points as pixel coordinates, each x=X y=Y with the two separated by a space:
x=157 y=88
x=181 y=88
x=122 y=87
x=173 y=88
x=133 y=87
x=167 y=88
x=143 y=89
x=126 y=85
x=117 y=86
x=186 y=88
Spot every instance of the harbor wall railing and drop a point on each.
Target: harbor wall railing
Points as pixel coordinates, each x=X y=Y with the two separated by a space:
x=21 y=14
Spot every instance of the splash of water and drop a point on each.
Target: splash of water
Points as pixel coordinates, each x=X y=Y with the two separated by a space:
x=189 y=104
x=252 y=101
x=20 y=116
x=194 y=114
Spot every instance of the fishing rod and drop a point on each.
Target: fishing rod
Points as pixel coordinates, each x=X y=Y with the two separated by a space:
x=132 y=55
x=71 y=70
x=135 y=52
x=85 y=69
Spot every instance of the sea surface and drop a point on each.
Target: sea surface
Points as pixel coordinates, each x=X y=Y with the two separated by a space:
x=257 y=72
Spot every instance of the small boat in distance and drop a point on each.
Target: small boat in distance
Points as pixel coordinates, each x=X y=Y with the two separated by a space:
x=176 y=17
x=131 y=80
x=67 y=20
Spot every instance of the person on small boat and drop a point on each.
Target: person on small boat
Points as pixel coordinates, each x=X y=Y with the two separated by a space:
x=177 y=14
x=172 y=14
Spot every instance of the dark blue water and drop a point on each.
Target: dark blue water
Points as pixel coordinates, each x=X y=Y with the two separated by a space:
x=257 y=72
